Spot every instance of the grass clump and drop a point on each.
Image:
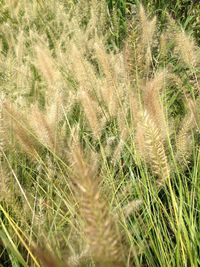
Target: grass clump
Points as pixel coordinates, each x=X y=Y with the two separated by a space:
x=99 y=137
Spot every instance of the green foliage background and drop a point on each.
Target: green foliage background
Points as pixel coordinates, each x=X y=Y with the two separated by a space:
x=185 y=12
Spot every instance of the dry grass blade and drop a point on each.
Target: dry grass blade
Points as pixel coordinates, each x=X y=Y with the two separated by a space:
x=2 y=131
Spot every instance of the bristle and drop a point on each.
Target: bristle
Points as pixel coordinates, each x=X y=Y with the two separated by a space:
x=129 y=54
x=6 y=193
x=132 y=207
x=152 y=102
x=21 y=130
x=83 y=71
x=148 y=29
x=154 y=151
x=186 y=48
x=55 y=110
x=80 y=258
x=163 y=45
x=42 y=129
x=91 y=113
x=46 y=64
x=183 y=140
x=123 y=135
x=134 y=110
x=109 y=90
x=100 y=229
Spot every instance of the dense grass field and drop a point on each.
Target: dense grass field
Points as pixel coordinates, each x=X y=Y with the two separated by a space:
x=99 y=133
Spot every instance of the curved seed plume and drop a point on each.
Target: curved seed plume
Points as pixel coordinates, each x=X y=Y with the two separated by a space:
x=153 y=104
x=99 y=227
x=187 y=49
x=152 y=149
x=183 y=140
x=42 y=129
x=21 y=129
x=90 y=110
